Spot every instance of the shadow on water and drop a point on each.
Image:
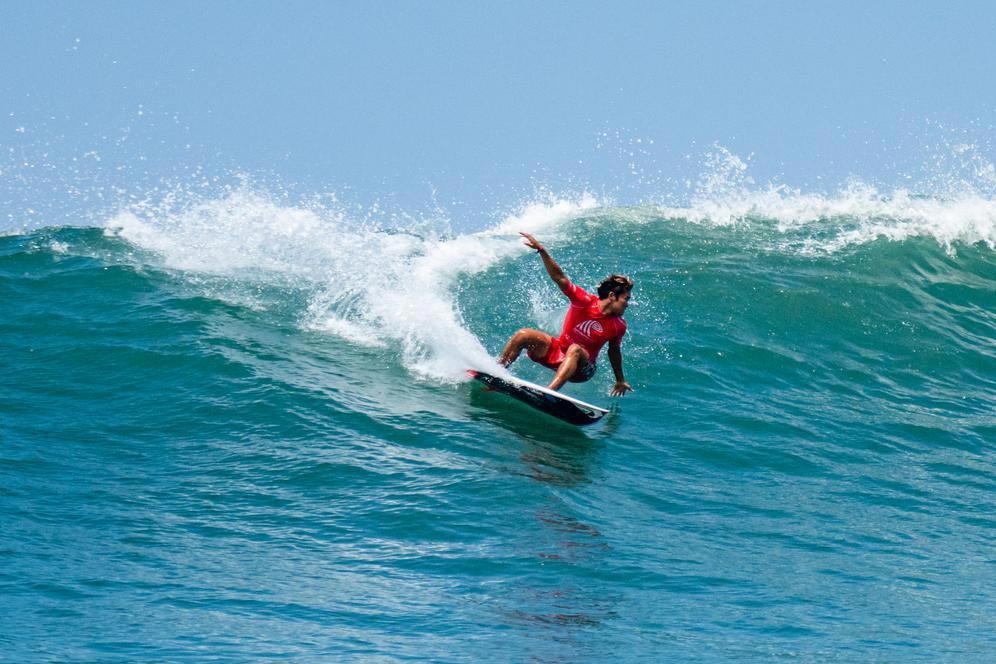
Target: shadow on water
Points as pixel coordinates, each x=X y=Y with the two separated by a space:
x=555 y=615
x=554 y=452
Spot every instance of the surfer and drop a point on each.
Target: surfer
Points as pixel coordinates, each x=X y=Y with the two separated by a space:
x=590 y=323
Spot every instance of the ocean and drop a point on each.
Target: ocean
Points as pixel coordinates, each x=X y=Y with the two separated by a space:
x=238 y=428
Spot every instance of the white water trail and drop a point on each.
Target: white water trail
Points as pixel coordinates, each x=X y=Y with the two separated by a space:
x=369 y=286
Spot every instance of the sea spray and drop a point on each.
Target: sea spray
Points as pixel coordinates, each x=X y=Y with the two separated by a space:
x=368 y=284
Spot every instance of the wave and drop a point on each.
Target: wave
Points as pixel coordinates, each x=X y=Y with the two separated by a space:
x=395 y=283
x=367 y=284
x=428 y=302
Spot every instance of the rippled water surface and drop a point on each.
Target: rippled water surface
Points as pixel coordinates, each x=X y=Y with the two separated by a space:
x=261 y=445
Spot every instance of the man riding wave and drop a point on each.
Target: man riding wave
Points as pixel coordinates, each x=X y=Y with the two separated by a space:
x=591 y=322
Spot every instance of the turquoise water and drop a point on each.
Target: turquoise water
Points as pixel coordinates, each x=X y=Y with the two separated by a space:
x=240 y=430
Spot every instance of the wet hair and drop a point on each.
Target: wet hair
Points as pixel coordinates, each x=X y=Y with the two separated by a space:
x=615 y=283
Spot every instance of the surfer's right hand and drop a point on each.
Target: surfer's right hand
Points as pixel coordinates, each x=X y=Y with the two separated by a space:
x=531 y=242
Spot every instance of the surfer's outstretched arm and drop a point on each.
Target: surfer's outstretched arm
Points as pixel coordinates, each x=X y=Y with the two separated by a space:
x=551 y=266
x=615 y=359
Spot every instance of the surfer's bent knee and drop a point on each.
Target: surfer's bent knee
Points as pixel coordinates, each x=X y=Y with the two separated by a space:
x=536 y=343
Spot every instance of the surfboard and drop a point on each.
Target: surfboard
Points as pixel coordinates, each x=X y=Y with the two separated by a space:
x=561 y=406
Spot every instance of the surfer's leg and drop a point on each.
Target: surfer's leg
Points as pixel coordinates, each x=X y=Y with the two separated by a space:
x=536 y=343
x=576 y=357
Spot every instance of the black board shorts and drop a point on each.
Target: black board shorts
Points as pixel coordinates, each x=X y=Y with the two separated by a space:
x=555 y=355
x=585 y=370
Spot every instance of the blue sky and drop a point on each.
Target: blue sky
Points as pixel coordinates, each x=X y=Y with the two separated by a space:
x=481 y=102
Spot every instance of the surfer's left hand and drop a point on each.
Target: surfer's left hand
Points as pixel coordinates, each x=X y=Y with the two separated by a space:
x=620 y=388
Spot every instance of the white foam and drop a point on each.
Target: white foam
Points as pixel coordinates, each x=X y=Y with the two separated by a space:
x=435 y=340
x=957 y=211
x=370 y=286
x=361 y=335
x=857 y=215
x=243 y=231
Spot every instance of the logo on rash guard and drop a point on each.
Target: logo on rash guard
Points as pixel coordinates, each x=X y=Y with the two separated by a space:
x=588 y=328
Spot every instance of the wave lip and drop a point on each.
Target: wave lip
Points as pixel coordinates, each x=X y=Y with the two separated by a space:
x=857 y=215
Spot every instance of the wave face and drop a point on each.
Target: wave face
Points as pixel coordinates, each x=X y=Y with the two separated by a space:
x=241 y=427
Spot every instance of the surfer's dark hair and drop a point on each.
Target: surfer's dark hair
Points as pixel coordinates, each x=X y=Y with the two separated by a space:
x=615 y=283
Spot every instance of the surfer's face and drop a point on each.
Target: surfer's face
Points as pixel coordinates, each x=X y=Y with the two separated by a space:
x=617 y=303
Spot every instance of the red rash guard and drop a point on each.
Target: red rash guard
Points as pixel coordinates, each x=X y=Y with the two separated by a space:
x=586 y=326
